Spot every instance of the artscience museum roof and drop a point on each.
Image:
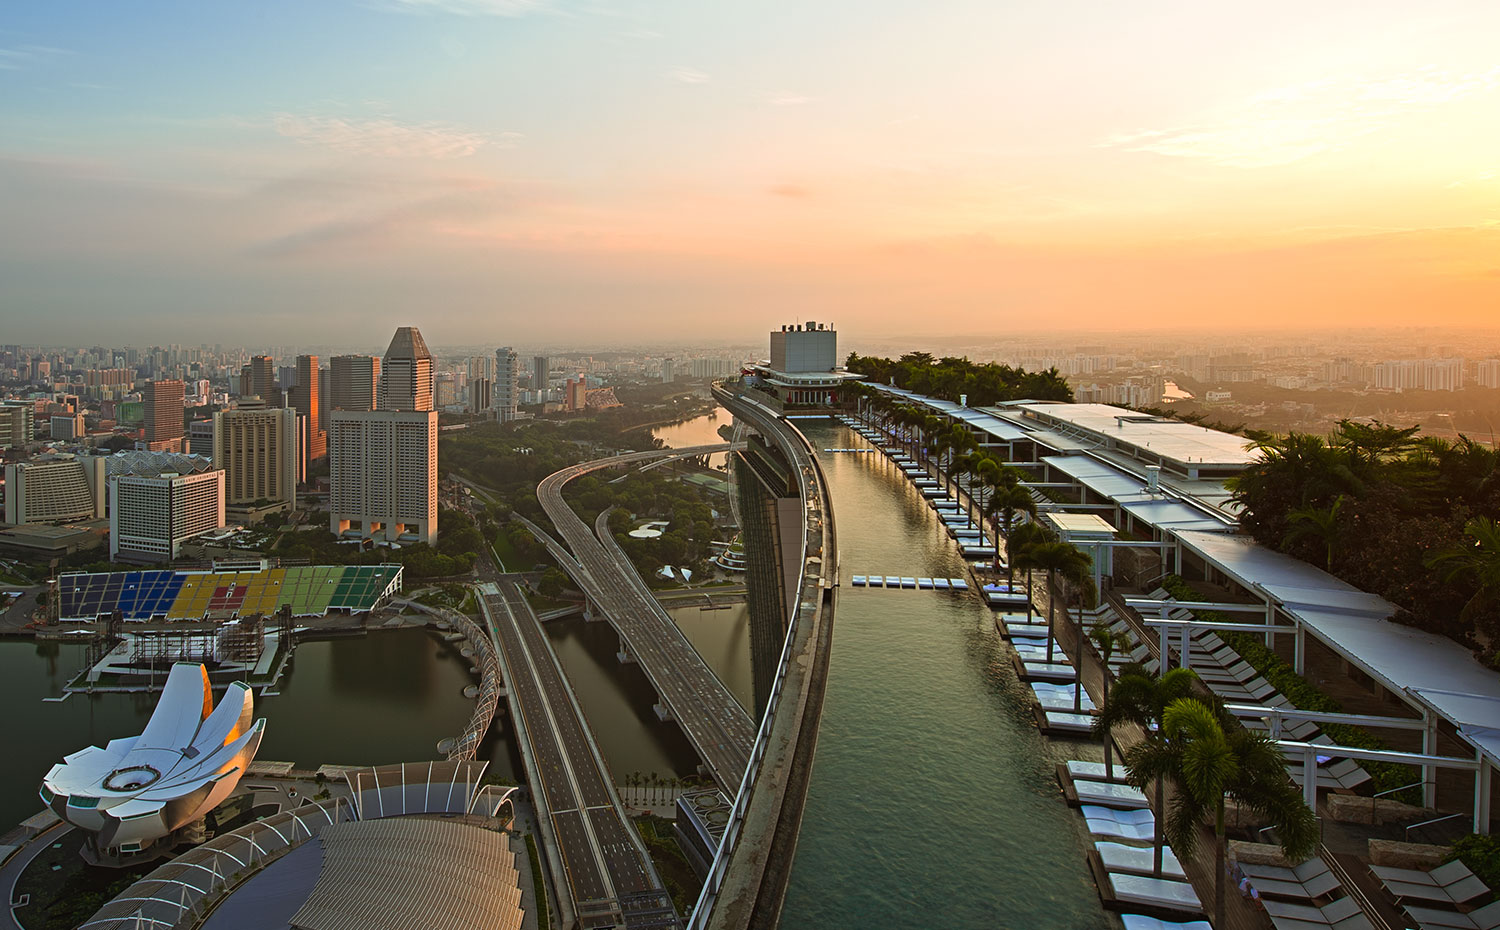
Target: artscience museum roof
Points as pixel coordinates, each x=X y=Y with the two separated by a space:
x=188 y=759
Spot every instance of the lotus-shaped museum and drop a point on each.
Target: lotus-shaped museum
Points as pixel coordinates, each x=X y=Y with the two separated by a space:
x=189 y=758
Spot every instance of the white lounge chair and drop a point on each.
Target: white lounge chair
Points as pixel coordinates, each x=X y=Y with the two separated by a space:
x=1105 y=794
x=1142 y=922
x=1162 y=893
x=1138 y=860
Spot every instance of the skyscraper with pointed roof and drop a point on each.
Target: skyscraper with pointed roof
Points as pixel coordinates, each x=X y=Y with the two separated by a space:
x=406 y=372
x=383 y=463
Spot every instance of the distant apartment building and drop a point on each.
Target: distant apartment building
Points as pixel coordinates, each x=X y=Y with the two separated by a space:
x=259 y=379
x=1421 y=374
x=259 y=455
x=163 y=402
x=575 y=393
x=713 y=367
x=17 y=425
x=1487 y=373
x=67 y=426
x=383 y=462
x=201 y=438
x=668 y=371
x=353 y=382
x=505 y=396
x=480 y=398
x=306 y=398
x=541 y=373
x=58 y=489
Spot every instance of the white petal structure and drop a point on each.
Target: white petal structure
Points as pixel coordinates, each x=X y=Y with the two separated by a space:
x=188 y=759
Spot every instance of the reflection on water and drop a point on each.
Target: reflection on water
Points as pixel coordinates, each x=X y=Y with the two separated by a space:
x=616 y=700
x=722 y=638
x=932 y=801
x=699 y=431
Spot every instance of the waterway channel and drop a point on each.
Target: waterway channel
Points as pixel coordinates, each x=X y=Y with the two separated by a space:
x=932 y=801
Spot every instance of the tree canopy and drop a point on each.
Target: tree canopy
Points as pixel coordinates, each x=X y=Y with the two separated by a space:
x=949 y=378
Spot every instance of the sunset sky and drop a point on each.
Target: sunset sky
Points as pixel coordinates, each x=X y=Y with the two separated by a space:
x=555 y=171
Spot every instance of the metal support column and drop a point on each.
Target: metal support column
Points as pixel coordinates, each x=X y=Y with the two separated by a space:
x=1299 y=650
x=1482 y=795
x=1429 y=748
x=1310 y=777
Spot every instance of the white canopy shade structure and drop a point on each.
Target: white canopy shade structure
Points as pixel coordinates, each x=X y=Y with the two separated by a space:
x=189 y=758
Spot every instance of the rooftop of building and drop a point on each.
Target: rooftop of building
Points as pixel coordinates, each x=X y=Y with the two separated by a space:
x=1185 y=445
x=408 y=343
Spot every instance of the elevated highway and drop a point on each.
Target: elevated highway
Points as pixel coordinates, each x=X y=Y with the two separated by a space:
x=713 y=721
x=605 y=870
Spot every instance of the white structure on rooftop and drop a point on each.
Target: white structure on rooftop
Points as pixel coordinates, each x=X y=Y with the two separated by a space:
x=136 y=791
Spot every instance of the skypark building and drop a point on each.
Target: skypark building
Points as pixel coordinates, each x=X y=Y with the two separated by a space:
x=803 y=370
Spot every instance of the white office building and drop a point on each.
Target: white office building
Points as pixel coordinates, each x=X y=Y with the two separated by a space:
x=383 y=474
x=150 y=517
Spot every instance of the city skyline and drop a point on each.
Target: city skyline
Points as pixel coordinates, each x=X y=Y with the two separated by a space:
x=501 y=165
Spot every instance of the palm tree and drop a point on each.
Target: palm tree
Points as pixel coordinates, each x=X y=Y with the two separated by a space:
x=1207 y=761
x=1478 y=564
x=1004 y=505
x=1104 y=640
x=960 y=442
x=1018 y=546
x=1317 y=523
x=1140 y=699
x=1059 y=560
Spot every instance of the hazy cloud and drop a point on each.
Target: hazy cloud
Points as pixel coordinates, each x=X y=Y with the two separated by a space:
x=684 y=75
x=793 y=191
x=21 y=57
x=388 y=138
x=1290 y=124
x=789 y=100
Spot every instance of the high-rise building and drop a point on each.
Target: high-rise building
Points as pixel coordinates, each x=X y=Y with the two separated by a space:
x=150 y=517
x=479 y=394
x=383 y=463
x=668 y=372
x=406 y=373
x=257 y=449
x=306 y=398
x=352 y=382
x=505 y=395
x=383 y=474
x=541 y=373
x=259 y=378
x=575 y=393
x=163 y=409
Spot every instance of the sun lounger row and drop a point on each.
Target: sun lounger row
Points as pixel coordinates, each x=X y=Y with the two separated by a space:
x=1432 y=898
x=1124 y=872
x=1235 y=681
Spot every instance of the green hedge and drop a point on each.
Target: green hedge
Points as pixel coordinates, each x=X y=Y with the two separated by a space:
x=1282 y=677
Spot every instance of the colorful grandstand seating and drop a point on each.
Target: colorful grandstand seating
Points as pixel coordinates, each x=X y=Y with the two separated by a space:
x=158 y=594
